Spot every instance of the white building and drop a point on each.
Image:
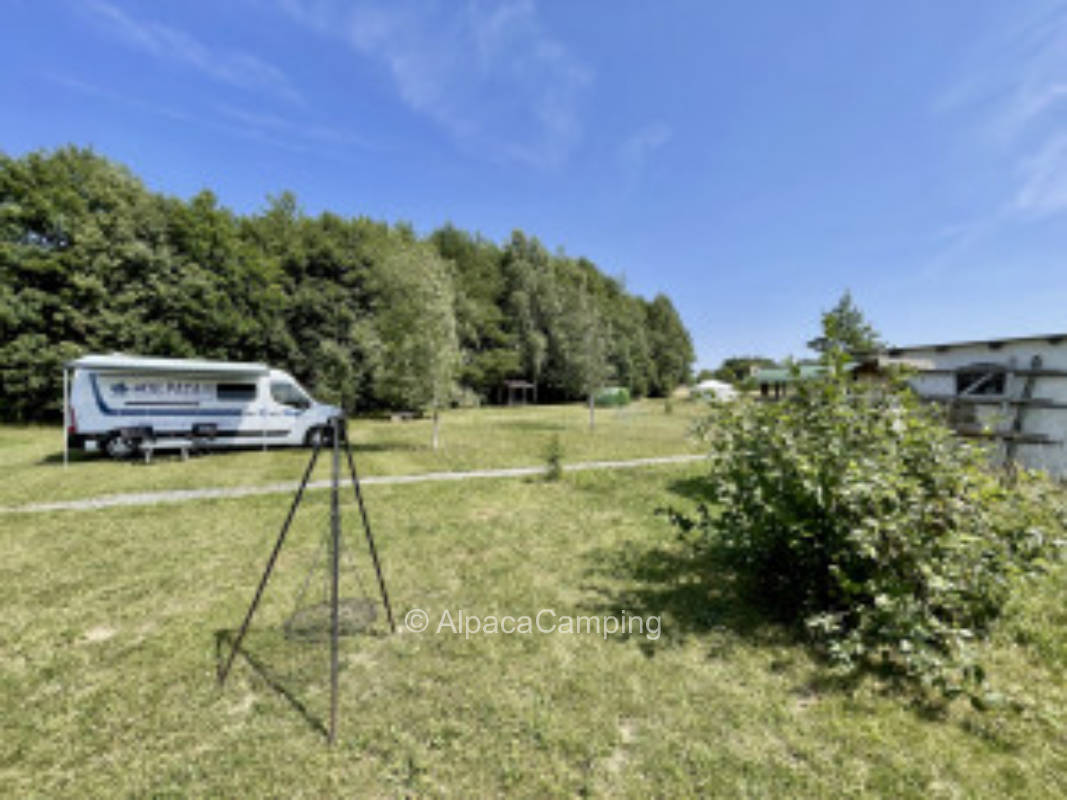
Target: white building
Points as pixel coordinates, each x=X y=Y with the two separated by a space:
x=1010 y=391
x=713 y=389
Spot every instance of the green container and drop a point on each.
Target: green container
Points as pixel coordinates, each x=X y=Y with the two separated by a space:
x=612 y=396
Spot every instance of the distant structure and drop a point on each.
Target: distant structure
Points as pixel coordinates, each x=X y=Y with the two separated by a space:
x=774 y=382
x=714 y=390
x=520 y=392
x=1011 y=391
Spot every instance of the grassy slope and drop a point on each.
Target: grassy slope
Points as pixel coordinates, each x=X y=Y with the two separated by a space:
x=107 y=664
x=472 y=439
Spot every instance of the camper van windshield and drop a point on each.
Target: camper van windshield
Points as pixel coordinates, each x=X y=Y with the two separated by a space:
x=288 y=394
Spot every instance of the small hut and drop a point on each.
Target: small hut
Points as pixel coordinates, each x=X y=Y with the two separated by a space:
x=520 y=392
x=773 y=382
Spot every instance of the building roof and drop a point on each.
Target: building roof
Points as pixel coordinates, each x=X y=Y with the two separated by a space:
x=1051 y=338
x=121 y=362
x=882 y=362
x=786 y=374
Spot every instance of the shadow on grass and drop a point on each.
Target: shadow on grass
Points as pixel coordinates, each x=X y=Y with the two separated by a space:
x=696 y=488
x=667 y=582
x=75 y=456
x=387 y=446
x=78 y=456
x=694 y=600
x=224 y=640
x=534 y=425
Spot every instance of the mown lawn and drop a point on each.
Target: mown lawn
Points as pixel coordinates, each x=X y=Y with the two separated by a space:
x=108 y=658
x=30 y=456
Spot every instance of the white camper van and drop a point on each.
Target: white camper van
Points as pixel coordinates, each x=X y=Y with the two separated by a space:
x=121 y=404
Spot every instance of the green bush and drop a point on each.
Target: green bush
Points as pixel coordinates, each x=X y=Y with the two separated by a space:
x=612 y=396
x=861 y=517
x=554 y=459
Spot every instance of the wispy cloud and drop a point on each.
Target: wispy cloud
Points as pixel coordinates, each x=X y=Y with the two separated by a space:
x=489 y=73
x=1012 y=103
x=636 y=149
x=311 y=140
x=1035 y=52
x=236 y=68
x=1015 y=97
x=1044 y=180
x=309 y=132
x=101 y=93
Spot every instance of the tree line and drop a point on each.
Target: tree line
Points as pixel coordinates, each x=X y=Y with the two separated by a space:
x=364 y=313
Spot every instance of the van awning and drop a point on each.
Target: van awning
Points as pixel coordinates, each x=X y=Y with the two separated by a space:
x=120 y=362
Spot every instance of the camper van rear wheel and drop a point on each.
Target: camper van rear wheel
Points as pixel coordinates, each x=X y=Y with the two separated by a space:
x=118 y=447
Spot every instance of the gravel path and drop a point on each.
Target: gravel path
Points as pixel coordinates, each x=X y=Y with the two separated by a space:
x=185 y=495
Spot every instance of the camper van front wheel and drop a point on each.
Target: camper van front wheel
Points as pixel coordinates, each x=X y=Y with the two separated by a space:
x=317 y=436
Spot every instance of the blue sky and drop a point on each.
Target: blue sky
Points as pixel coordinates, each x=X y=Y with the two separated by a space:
x=750 y=159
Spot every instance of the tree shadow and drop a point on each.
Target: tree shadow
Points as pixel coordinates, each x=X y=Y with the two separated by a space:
x=696 y=488
x=696 y=600
x=387 y=446
x=690 y=599
x=534 y=425
x=224 y=637
x=74 y=457
x=77 y=456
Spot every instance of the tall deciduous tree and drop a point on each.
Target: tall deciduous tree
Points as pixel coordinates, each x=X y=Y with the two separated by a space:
x=672 y=349
x=91 y=260
x=586 y=343
x=417 y=327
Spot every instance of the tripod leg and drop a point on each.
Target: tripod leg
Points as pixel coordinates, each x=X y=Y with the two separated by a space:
x=335 y=548
x=270 y=565
x=367 y=533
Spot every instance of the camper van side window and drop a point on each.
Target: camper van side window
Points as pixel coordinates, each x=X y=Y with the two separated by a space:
x=236 y=392
x=288 y=395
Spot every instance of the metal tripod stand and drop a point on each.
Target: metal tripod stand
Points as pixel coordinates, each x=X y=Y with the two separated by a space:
x=338 y=436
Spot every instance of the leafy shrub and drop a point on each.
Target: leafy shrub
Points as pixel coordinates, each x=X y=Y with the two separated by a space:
x=465 y=397
x=554 y=459
x=612 y=396
x=860 y=516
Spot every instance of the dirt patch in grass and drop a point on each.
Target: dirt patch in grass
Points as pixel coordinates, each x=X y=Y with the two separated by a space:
x=99 y=633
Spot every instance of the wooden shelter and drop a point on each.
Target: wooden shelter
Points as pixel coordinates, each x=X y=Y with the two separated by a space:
x=520 y=392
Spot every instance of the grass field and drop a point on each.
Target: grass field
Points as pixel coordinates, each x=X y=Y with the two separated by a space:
x=31 y=469
x=111 y=618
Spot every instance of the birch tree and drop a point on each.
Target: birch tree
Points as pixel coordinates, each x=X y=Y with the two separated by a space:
x=416 y=324
x=587 y=362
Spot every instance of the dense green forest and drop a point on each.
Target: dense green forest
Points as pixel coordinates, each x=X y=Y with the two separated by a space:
x=362 y=312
